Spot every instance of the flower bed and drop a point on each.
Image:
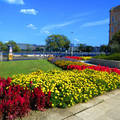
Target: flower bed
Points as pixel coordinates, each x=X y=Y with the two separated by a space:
x=70 y=87
x=79 y=58
x=63 y=63
x=93 y=67
x=39 y=90
x=74 y=57
x=70 y=65
x=16 y=100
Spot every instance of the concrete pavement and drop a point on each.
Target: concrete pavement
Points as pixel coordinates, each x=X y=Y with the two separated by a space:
x=104 y=107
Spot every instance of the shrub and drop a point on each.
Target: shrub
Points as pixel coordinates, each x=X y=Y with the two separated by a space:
x=115 y=56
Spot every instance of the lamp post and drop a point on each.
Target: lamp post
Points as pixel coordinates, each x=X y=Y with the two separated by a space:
x=72 y=46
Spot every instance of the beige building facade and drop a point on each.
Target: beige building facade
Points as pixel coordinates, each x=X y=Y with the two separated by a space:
x=114 y=21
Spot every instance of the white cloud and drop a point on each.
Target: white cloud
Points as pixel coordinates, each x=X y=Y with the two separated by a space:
x=76 y=39
x=31 y=26
x=14 y=1
x=46 y=32
x=81 y=15
x=96 y=23
x=6 y=41
x=55 y=26
x=29 y=11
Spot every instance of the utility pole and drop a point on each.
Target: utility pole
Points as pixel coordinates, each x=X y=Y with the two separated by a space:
x=72 y=45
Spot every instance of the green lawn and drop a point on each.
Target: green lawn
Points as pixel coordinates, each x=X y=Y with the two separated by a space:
x=10 y=68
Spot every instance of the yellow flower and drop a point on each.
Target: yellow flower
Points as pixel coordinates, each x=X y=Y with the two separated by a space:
x=55 y=97
x=52 y=105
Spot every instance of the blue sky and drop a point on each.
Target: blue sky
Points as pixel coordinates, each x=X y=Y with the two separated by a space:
x=31 y=21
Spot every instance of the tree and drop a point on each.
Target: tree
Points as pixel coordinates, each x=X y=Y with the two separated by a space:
x=89 y=48
x=85 y=48
x=114 y=44
x=103 y=48
x=14 y=45
x=40 y=49
x=57 y=43
x=82 y=47
x=3 y=47
x=1 y=44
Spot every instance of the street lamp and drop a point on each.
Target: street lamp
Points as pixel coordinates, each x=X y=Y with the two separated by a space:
x=72 y=46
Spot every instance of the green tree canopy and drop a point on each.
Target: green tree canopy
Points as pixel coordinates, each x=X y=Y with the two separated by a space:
x=82 y=47
x=57 y=43
x=103 y=48
x=85 y=48
x=14 y=45
x=115 y=42
x=89 y=48
x=3 y=47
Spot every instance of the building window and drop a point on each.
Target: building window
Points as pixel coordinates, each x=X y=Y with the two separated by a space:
x=119 y=19
x=112 y=18
x=112 y=29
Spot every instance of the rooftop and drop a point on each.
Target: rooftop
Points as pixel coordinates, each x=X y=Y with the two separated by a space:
x=115 y=8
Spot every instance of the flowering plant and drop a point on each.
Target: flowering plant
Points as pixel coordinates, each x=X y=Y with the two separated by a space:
x=79 y=58
x=71 y=87
x=16 y=100
x=93 y=67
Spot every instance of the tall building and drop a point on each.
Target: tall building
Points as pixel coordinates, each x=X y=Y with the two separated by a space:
x=114 y=21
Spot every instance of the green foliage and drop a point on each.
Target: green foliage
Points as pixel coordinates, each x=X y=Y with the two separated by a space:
x=115 y=42
x=39 y=49
x=1 y=43
x=4 y=47
x=82 y=47
x=115 y=56
x=85 y=48
x=57 y=43
x=105 y=48
x=14 y=45
x=89 y=48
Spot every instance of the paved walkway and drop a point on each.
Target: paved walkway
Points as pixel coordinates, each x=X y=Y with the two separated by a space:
x=109 y=109
x=105 y=107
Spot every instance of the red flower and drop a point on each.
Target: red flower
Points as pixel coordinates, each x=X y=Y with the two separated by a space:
x=93 y=67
